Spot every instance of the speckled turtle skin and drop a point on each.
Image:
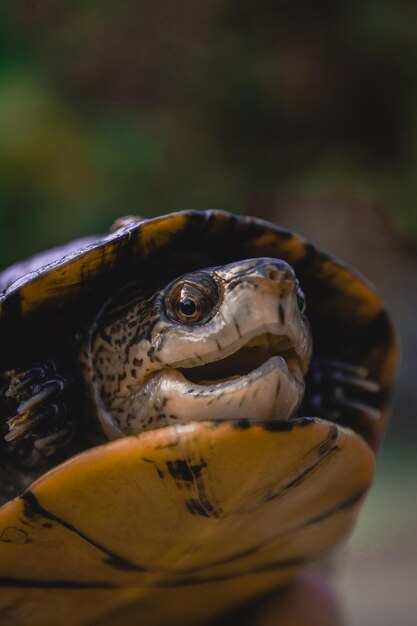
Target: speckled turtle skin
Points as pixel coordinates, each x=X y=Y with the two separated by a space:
x=181 y=535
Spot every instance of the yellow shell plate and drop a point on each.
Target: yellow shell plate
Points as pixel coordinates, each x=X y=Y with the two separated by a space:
x=178 y=524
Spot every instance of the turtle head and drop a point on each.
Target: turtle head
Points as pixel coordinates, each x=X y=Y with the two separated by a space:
x=221 y=343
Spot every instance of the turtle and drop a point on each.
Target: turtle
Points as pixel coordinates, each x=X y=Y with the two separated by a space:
x=190 y=411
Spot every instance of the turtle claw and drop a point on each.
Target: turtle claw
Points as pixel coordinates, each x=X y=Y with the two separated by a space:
x=50 y=443
x=21 y=425
x=37 y=398
x=330 y=371
x=361 y=407
x=21 y=381
x=336 y=388
x=51 y=389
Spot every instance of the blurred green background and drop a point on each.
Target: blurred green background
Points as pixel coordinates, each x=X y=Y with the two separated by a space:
x=158 y=105
x=145 y=107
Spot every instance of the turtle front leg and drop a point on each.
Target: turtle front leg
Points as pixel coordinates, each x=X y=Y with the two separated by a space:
x=335 y=389
x=34 y=409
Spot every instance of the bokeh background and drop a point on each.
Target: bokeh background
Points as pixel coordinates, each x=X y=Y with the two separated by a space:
x=303 y=113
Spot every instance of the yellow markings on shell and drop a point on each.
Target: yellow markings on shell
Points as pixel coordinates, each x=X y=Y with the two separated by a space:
x=367 y=302
x=157 y=233
x=197 y=518
x=61 y=280
x=271 y=244
x=65 y=279
x=391 y=358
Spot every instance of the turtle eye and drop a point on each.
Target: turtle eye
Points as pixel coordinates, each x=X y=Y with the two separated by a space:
x=301 y=301
x=189 y=302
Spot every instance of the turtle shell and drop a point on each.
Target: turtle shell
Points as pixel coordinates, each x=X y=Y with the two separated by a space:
x=178 y=524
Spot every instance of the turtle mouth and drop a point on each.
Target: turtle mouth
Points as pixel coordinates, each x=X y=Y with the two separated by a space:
x=252 y=356
x=259 y=376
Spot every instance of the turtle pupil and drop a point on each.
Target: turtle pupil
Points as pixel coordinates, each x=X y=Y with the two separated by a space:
x=191 y=302
x=188 y=307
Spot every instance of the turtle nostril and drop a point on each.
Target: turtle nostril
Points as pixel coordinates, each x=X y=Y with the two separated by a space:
x=274 y=274
x=288 y=277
